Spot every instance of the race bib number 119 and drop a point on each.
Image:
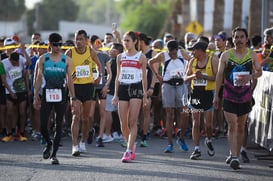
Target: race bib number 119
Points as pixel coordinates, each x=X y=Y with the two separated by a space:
x=53 y=95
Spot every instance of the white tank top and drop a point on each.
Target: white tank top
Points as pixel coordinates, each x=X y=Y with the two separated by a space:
x=130 y=69
x=175 y=68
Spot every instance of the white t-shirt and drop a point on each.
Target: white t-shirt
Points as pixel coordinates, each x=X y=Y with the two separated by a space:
x=175 y=68
x=14 y=75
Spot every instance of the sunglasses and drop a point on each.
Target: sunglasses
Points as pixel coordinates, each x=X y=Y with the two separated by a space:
x=97 y=42
x=56 y=44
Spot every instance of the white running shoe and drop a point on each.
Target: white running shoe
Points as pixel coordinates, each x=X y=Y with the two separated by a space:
x=116 y=135
x=75 y=150
x=107 y=139
x=82 y=147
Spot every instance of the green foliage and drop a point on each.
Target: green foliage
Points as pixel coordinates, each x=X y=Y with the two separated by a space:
x=97 y=11
x=11 y=10
x=144 y=16
x=52 y=11
x=48 y=13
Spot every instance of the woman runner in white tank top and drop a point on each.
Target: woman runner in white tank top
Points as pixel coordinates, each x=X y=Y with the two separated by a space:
x=130 y=89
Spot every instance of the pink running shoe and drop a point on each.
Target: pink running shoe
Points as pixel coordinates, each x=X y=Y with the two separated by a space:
x=133 y=153
x=127 y=157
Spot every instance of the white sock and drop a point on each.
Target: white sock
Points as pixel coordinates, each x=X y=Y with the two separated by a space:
x=128 y=150
x=197 y=148
x=208 y=140
x=243 y=148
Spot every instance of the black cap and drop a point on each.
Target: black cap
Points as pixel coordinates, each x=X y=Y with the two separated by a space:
x=199 y=45
x=172 y=45
x=14 y=56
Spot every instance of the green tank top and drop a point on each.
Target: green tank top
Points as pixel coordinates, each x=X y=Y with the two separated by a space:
x=54 y=72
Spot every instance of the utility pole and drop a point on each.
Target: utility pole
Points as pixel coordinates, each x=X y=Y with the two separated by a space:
x=176 y=30
x=37 y=24
x=264 y=16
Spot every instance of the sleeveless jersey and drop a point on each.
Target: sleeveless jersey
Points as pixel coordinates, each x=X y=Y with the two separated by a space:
x=236 y=67
x=54 y=72
x=149 y=55
x=208 y=84
x=130 y=69
x=82 y=67
x=174 y=68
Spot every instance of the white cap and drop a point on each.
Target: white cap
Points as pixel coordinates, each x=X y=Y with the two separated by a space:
x=9 y=41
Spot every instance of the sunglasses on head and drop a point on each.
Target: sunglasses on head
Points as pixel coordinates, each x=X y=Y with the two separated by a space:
x=56 y=44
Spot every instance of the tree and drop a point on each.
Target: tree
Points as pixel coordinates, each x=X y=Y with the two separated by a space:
x=98 y=12
x=12 y=10
x=144 y=15
x=50 y=13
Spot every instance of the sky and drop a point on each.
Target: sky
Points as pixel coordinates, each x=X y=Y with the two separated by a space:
x=30 y=3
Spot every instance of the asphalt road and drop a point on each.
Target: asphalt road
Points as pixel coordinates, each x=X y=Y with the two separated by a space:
x=23 y=161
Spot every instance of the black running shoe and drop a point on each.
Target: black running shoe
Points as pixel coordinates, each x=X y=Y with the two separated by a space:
x=99 y=143
x=91 y=136
x=195 y=155
x=244 y=157
x=211 y=151
x=54 y=161
x=47 y=150
x=234 y=163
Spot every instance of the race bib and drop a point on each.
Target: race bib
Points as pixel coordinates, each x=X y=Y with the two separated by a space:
x=82 y=71
x=177 y=73
x=15 y=74
x=200 y=82
x=53 y=95
x=236 y=78
x=127 y=76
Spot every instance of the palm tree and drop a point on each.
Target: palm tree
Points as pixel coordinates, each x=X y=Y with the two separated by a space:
x=200 y=11
x=218 y=16
x=185 y=6
x=254 y=20
x=237 y=13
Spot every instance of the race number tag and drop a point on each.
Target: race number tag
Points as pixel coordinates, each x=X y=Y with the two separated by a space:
x=53 y=95
x=236 y=78
x=15 y=74
x=177 y=73
x=82 y=71
x=127 y=76
x=200 y=82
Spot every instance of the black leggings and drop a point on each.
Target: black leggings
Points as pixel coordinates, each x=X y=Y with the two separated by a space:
x=59 y=109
